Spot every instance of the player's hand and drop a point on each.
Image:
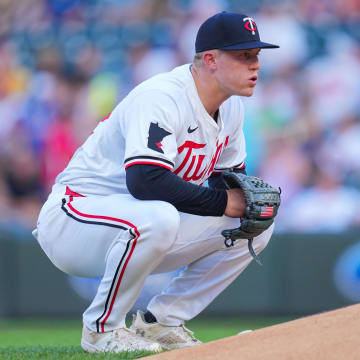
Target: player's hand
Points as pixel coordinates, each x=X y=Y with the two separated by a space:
x=236 y=203
x=262 y=204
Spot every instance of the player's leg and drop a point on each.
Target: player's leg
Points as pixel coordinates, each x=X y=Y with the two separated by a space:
x=201 y=281
x=130 y=260
x=116 y=237
x=212 y=267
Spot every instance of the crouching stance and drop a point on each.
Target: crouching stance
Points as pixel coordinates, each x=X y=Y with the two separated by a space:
x=131 y=202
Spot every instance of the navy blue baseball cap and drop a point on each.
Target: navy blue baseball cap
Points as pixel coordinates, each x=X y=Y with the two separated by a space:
x=229 y=31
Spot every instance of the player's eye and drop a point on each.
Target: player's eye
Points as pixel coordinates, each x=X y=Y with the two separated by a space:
x=245 y=56
x=250 y=56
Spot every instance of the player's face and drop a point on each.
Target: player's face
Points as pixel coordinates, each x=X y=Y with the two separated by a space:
x=237 y=71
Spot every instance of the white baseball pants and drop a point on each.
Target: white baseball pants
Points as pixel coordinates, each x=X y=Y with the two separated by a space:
x=124 y=240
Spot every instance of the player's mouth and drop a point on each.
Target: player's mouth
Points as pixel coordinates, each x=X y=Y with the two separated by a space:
x=253 y=80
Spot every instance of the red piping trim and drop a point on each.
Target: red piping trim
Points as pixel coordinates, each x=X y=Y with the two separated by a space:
x=127 y=259
x=148 y=163
x=102 y=217
x=118 y=284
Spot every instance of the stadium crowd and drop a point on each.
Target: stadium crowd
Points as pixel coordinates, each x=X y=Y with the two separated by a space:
x=65 y=64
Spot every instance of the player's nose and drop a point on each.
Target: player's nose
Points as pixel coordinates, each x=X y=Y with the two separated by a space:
x=255 y=64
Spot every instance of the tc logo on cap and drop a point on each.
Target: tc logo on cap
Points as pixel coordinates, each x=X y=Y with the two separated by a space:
x=250 y=24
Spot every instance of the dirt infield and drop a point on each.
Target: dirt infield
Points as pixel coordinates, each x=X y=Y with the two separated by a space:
x=326 y=336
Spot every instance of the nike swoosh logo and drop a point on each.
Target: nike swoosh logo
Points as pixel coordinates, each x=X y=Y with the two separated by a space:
x=191 y=130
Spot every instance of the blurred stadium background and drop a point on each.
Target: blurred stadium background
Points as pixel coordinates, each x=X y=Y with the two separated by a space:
x=64 y=64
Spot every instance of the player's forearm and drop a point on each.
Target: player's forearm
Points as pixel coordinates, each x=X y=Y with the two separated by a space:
x=148 y=182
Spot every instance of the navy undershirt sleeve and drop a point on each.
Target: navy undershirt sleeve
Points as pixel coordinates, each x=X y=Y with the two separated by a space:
x=215 y=182
x=151 y=182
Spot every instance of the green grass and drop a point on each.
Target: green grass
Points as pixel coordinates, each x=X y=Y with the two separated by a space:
x=46 y=339
x=62 y=352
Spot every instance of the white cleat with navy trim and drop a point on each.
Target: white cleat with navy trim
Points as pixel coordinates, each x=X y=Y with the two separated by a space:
x=116 y=341
x=169 y=337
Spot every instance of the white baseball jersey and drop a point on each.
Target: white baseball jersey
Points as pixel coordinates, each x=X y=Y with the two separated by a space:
x=161 y=122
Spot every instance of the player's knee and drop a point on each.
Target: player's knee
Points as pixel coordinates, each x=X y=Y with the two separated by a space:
x=261 y=241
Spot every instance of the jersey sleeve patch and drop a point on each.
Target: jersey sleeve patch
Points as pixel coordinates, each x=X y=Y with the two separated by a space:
x=156 y=135
x=148 y=160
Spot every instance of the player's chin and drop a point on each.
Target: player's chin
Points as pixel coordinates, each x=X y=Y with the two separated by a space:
x=247 y=92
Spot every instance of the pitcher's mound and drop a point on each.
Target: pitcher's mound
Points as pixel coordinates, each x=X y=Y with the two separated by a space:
x=326 y=336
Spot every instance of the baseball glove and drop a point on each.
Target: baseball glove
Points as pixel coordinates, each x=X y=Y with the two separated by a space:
x=262 y=203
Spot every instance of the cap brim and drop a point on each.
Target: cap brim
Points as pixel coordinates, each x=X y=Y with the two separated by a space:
x=250 y=45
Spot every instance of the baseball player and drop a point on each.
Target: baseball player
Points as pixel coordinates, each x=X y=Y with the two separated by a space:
x=131 y=201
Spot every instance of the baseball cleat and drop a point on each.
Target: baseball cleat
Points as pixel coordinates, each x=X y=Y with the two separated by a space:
x=116 y=341
x=169 y=337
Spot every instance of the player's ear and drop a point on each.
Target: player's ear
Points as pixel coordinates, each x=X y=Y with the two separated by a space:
x=209 y=59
